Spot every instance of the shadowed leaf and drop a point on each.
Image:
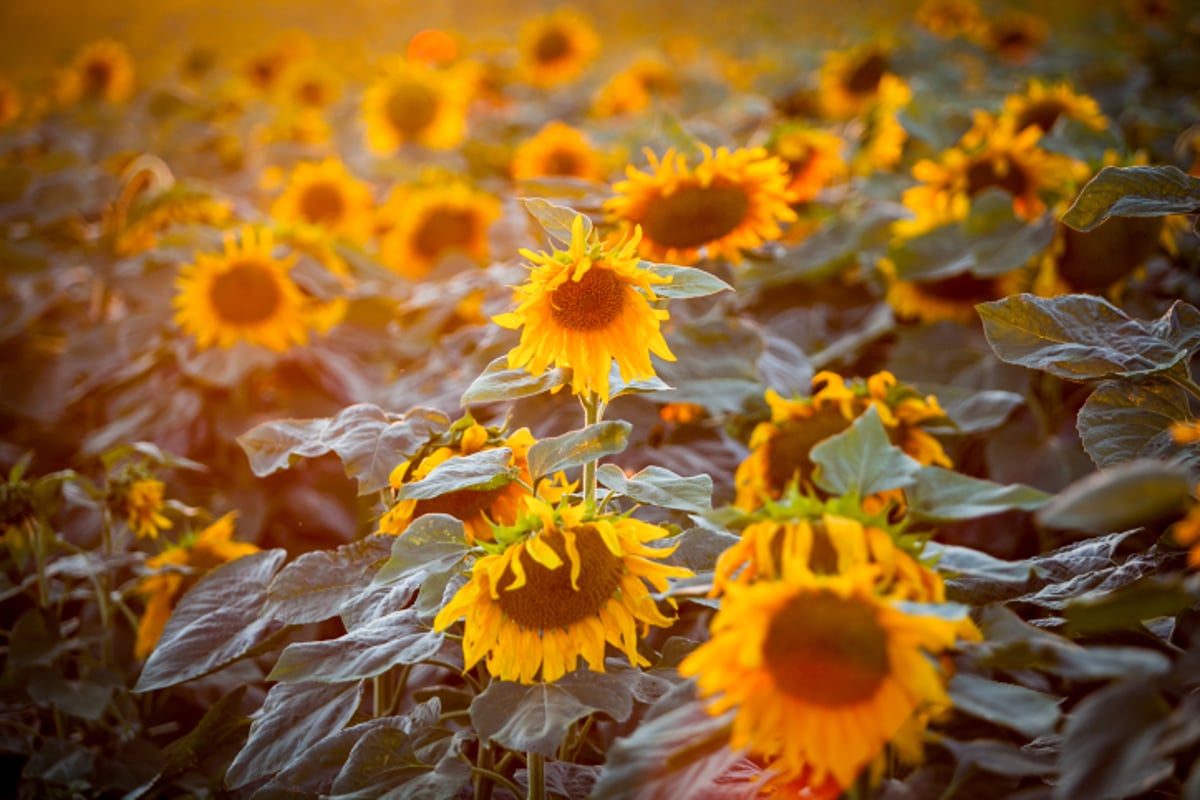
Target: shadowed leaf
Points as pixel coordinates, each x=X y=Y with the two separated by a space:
x=1137 y=191
x=319 y=584
x=1119 y=498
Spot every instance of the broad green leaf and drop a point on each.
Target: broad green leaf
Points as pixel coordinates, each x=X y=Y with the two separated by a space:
x=432 y=543
x=942 y=495
x=1138 y=191
x=861 y=460
x=1121 y=497
x=364 y=652
x=576 y=447
x=1082 y=337
x=480 y=471
x=555 y=219
x=977 y=577
x=618 y=386
x=1146 y=598
x=1128 y=419
x=685 y=281
x=216 y=623
x=655 y=486
x=1109 y=742
x=994 y=756
x=535 y=718
x=294 y=717
x=1011 y=706
x=319 y=584
x=497 y=382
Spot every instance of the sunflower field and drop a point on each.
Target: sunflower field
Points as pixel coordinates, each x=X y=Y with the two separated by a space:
x=620 y=401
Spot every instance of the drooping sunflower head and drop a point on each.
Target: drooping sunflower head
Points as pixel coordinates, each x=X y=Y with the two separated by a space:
x=554 y=49
x=423 y=224
x=850 y=79
x=557 y=150
x=731 y=201
x=560 y=584
x=1043 y=104
x=101 y=72
x=586 y=307
x=950 y=18
x=413 y=103
x=325 y=195
x=952 y=298
x=242 y=294
x=779 y=447
x=814 y=157
x=823 y=671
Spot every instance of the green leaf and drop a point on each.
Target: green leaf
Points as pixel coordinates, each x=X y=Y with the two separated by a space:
x=216 y=623
x=971 y=410
x=294 y=717
x=1146 y=598
x=996 y=757
x=1127 y=419
x=431 y=544
x=618 y=386
x=555 y=219
x=376 y=771
x=685 y=281
x=861 y=460
x=86 y=698
x=942 y=495
x=1109 y=742
x=222 y=722
x=480 y=471
x=1011 y=706
x=576 y=447
x=497 y=382
x=364 y=652
x=655 y=486
x=1082 y=337
x=1133 y=192
x=1121 y=497
x=319 y=584
x=975 y=576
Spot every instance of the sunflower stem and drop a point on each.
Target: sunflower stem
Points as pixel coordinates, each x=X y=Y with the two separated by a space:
x=593 y=410
x=536 y=775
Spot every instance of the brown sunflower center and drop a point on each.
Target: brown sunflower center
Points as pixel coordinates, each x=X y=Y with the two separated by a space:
x=1043 y=113
x=443 y=230
x=322 y=202
x=866 y=75
x=1091 y=261
x=561 y=162
x=245 y=293
x=695 y=215
x=827 y=650
x=552 y=45
x=959 y=287
x=313 y=94
x=547 y=600
x=462 y=504
x=787 y=452
x=97 y=76
x=984 y=174
x=590 y=303
x=410 y=108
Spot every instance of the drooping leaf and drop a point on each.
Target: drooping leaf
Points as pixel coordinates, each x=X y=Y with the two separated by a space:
x=1023 y=710
x=1121 y=497
x=1135 y=191
x=575 y=447
x=480 y=471
x=685 y=281
x=942 y=495
x=1083 y=337
x=861 y=460
x=1146 y=598
x=555 y=219
x=497 y=383
x=294 y=717
x=432 y=543
x=1127 y=419
x=216 y=623
x=317 y=585
x=660 y=487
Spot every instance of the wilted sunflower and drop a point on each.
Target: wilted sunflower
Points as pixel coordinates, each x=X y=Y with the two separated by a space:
x=814 y=158
x=730 y=201
x=822 y=671
x=850 y=79
x=413 y=103
x=242 y=294
x=196 y=554
x=102 y=71
x=558 y=585
x=585 y=307
x=557 y=150
x=1042 y=104
x=424 y=224
x=142 y=503
x=780 y=446
x=555 y=48
x=328 y=196
x=951 y=298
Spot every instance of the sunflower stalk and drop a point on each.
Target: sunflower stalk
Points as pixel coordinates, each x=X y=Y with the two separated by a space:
x=593 y=412
x=536 y=775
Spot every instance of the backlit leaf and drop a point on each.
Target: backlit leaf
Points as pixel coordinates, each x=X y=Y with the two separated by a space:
x=555 y=219
x=1146 y=598
x=480 y=471
x=685 y=281
x=1136 y=191
x=432 y=543
x=1127 y=419
x=861 y=460
x=497 y=382
x=660 y=487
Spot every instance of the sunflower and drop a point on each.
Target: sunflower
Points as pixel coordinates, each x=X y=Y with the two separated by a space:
x=1042 y=104
x=478 y=509
x=10 y=103
x=822 y=671
x=244 y=293
x=423 y=224
x=328 y=196
x=634 y=88
x=177 y=569
x=557 y=150
x=779 y=447
x=312 y=86
x=412 y=103
x=950 y=18
x=181 y=204
x=555 y=48
x=850 y=79
x=814 y=158
x=1092 y=261
x=882 y=137
x=432 y=46
x=729 y=202
x=1186 y=531
x=265 y=70
x=585 y=307
x=102 y=71
x=1015 y=37
x=558 y=585
x=951 y=298
x=142 y=502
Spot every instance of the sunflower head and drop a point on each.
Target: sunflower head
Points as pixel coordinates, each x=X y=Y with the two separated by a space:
x=634 y=88
x=814 y=158
x=423 y=224
x=1015 y=37
x=850 y=79
x=950 y=18
x=413 y=103
x=731 y=201
x=325 y=195
x=951 y=298
x=554 y=49
x=560 y=584
x=137 y=497
x=101 y=72
x=557 y=150
x=586 y=307
x=1044 y=104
